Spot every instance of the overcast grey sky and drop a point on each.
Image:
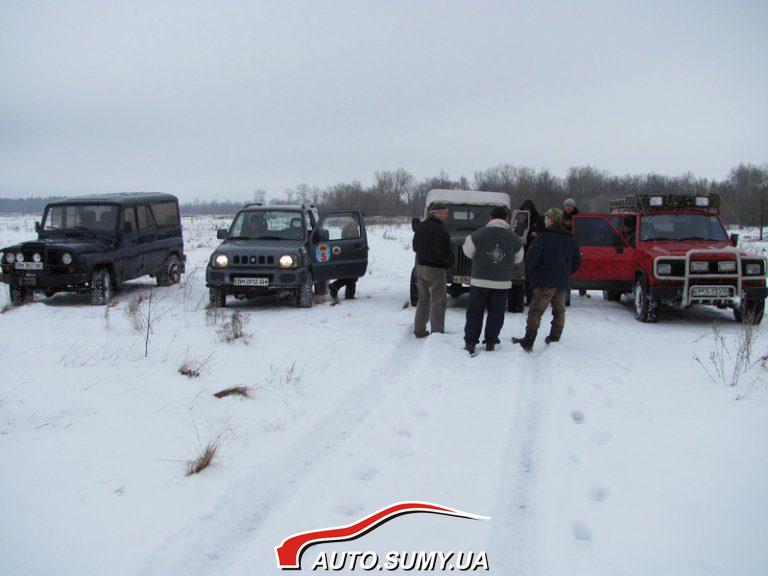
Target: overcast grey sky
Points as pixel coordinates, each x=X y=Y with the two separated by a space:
x=214 y=99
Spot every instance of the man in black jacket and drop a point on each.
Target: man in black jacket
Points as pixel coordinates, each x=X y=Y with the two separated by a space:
x=550 y=261
x=434 y=256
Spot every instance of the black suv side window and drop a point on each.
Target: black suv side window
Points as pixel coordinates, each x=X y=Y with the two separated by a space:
x=342 y=227
x=166 y=214
x=128 y=221
x=146 y=220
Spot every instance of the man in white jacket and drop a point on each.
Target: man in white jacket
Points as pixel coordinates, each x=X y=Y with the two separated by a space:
x=494 y=250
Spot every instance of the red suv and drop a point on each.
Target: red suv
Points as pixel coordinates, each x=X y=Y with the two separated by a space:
x=669 y=251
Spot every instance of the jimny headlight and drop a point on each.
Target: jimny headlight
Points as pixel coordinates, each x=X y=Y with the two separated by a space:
x=287 y=261
x=664 y=269
x=10 y=257
x=221 y=260
x=754 y=269
x=36 y=257
x=66 y=259
x=19 y=257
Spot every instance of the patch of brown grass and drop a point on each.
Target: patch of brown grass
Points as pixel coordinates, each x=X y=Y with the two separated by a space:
x=204 y=459
x=6 y=308
x=243 y=391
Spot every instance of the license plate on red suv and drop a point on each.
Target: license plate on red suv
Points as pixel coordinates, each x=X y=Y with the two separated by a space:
x=711 y=292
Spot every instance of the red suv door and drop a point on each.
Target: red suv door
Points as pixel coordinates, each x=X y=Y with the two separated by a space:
x=606 y=257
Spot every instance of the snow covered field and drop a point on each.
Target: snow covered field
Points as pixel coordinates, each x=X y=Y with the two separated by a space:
x=611 y=452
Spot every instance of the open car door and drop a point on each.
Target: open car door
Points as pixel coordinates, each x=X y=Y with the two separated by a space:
x=606 y=256
x=339 y=246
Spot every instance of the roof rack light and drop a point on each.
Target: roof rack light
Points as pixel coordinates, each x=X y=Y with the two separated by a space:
x=702 y=201
x=656 y=201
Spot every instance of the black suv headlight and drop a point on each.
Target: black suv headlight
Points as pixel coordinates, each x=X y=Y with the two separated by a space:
x=66 y=258
x=287 y=261
x=9 y=257
x=220 y=260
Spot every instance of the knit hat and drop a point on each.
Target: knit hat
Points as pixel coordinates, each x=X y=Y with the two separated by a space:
x=555 y=215
x=569 y=202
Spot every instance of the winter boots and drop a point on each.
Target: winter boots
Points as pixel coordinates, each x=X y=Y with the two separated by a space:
x=469 y=347
x=552 y=338
x=527 y=341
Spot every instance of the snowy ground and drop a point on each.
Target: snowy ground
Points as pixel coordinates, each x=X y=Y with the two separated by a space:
x=611 y=452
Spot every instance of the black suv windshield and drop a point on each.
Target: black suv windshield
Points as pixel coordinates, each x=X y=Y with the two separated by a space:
x=268 y=225
x=465 y=216
x=682 y=227
x=80 y=219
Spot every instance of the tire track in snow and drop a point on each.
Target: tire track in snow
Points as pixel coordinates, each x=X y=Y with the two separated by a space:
x=208 y=543
x=514 y=536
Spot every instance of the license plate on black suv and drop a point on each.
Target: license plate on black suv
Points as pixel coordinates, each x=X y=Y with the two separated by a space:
x=251 y=281
x=29 y=265
x=711 y=292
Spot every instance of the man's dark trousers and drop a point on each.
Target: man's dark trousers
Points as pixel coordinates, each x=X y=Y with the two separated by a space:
x=481 y=300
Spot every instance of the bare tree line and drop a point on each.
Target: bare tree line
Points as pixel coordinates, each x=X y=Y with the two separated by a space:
x=399 y=193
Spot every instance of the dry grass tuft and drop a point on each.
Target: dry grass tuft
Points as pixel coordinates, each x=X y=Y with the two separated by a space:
x=234 y=329
x=204 y=459
x=135 y=314
x=189 y=369
x=243 y=391
x=213 y=314
x=193 y=367
x=6 y=308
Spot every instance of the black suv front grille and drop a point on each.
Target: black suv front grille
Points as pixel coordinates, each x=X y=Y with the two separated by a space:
x=463 y=264
x=246 y=260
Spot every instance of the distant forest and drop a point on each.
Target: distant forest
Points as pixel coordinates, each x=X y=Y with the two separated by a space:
x=398 y=193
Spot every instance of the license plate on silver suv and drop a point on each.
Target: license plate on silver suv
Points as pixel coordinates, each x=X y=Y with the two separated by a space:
x=251 y=281
x=29 y=265
x=711 y=292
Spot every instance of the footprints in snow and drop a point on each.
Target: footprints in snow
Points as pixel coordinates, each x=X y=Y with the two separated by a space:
x=597 y=493
x=581 y=532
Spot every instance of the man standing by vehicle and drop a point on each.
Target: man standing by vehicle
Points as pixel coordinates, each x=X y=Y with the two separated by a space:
x=434 y=256
x=349 y=231
x=551 y=259
x=493 y=250
x=569 y=211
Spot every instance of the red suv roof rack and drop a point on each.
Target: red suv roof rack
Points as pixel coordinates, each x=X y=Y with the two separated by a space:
x=655 y=202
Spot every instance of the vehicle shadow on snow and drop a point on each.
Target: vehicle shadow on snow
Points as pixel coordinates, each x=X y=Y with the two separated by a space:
x=125 y=293
x=695 y=315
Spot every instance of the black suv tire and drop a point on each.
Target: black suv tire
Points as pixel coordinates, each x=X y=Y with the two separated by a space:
x=750 y=312
x=17 y=294
x=646 y=308
x=170 y=273
x=414 y=289
x=305 y=297
x=102 y=287
x=321 y=287
x=217 y=297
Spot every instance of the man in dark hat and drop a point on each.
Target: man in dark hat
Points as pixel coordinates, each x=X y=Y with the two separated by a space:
x=550 y=261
